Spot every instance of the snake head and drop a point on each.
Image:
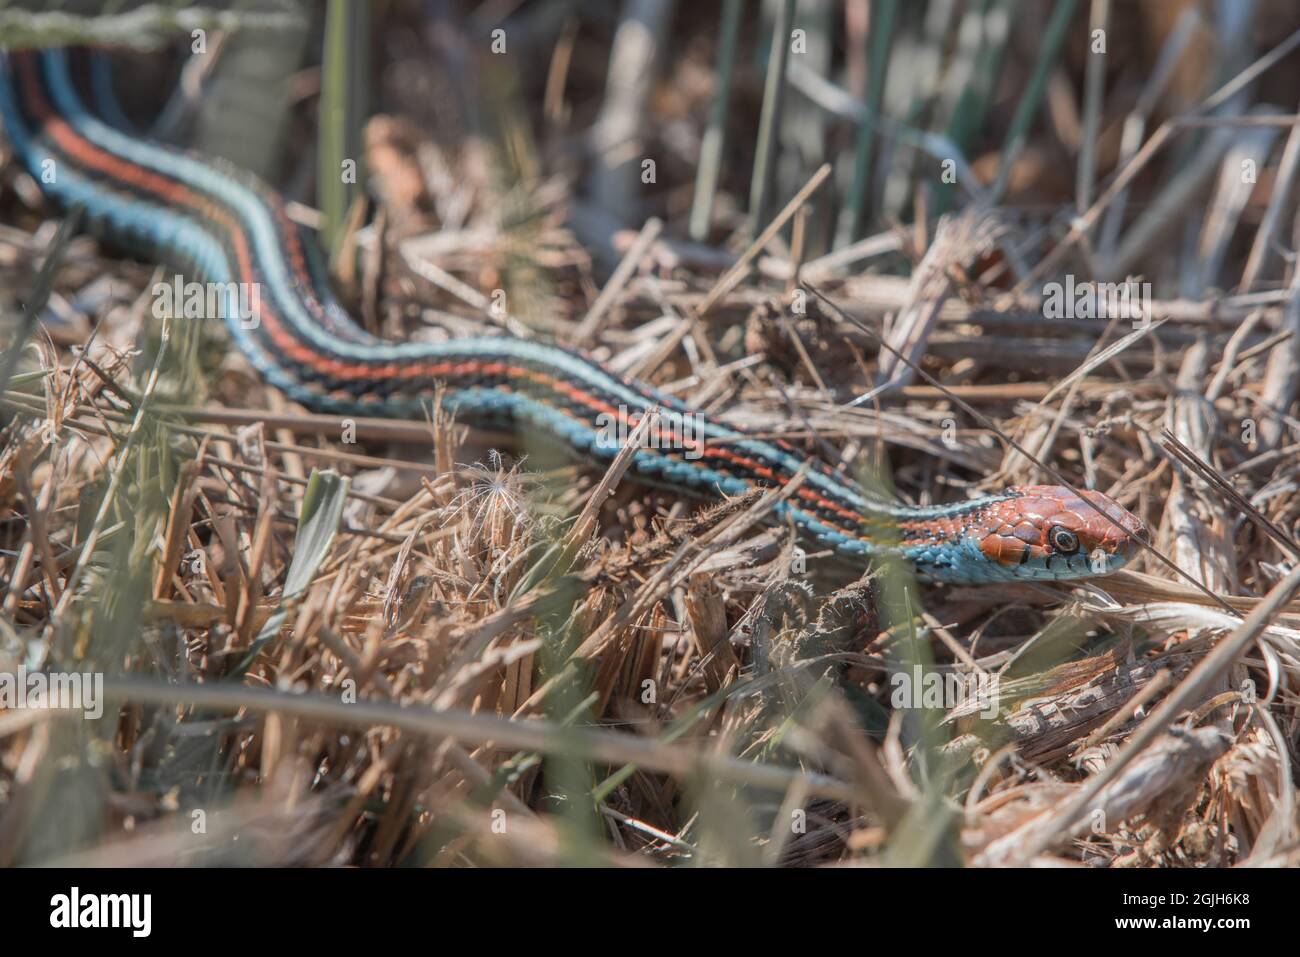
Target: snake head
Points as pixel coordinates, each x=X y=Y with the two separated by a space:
x=1049 y=533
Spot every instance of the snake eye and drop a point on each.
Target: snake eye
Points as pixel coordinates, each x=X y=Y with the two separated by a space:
x=1063 y=540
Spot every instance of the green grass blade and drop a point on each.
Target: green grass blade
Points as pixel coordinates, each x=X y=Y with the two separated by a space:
x=342 y=105
x=711 y=149
x=1032 y=99
x=883 y=15
x=318 y=522
x=760 y=188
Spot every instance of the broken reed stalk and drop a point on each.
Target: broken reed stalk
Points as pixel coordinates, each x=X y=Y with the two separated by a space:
x=1042 y=835
x=732 y=277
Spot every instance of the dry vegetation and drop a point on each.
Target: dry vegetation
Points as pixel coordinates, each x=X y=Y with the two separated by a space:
x=504 y=657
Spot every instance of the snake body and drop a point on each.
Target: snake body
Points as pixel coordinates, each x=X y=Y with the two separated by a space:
x=223 y=226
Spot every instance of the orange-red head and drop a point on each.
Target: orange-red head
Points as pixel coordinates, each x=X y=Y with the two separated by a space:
x=1029 y=533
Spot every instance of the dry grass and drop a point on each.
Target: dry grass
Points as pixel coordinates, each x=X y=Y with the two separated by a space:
x=508 y=658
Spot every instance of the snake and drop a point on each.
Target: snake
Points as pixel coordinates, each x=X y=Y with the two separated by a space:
x=224 y=227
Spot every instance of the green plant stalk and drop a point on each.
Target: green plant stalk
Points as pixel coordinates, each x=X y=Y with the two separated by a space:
x=1032 y=98
x=760 y=187
x=709 y=171
x=1094 y=91
x=883 y=15
x=972 y=104
x=344 y=80
x=40 y=293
